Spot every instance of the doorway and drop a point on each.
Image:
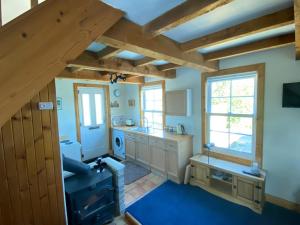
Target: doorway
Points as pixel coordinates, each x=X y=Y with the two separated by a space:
x=92 y=119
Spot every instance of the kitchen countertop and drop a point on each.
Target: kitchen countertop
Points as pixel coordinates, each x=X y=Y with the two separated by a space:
x=157 y=133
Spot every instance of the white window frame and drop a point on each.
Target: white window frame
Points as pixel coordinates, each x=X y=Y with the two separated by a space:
x=152 y=86
x=259 y=123
x=208 y=112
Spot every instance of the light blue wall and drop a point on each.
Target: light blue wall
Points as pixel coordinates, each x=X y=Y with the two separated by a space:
x=188 y=79
x=66 y=116
x=281 y=151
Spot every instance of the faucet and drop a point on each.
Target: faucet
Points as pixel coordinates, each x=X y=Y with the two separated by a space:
x=147 y=127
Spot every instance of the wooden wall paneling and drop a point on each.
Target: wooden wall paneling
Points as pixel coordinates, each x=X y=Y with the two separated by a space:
x=297 y=27
x=40 y=160
x=17 y=127
x=30 y=166
x=0 y=13
x=11 y=170
x=31 y=163
x=49 y=157
x=56 y=154
x=5 y=203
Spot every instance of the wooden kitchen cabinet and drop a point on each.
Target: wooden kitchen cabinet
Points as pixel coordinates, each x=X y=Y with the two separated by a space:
x=167 y=156
x=158 y=158
x=142 y=153
x=172 y=163
x=248 y=191
x=227 y=180
x=199 y=174
x=130 y=147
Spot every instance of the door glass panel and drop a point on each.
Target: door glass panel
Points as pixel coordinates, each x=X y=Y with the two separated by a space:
x=86 y=109
x=99 y=109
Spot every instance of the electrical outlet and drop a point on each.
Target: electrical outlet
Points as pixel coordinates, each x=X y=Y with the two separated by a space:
x=45 y=105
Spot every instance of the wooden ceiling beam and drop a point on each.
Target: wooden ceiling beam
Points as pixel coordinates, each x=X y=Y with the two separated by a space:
x=95 y=75
x=269 y=43
x=264 y=23
x=297 y=27
x=129 y=36
x=108 y=52
x=88 y=62
x=169 y=66
x=34 y=3
x=181 y=14
x=144 y=61
x=36 y=46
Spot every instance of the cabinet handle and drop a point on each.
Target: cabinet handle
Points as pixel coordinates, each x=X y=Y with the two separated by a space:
x=207 y=177
x=257 y=202
x=192 y=176
x=258 y=187
x=234 y=186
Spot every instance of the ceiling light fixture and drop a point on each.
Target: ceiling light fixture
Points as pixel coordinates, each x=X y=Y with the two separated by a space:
x=114 y=77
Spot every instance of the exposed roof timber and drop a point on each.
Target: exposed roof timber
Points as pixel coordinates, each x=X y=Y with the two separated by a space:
x=269 y=43
x=169 y=66
x=88 y=62
x=297 y=27
x=264 y=23
x=23 y=41
x=144 y=61
x=108 y=52
x=129 y=36
x=34 y=3
x=94 y=75
x=181 y=14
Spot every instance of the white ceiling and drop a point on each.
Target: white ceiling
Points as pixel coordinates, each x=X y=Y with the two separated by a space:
x=238 y=11
x=143 y=11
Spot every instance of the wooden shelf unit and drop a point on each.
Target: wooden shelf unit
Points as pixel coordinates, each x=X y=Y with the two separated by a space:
x=227 y=180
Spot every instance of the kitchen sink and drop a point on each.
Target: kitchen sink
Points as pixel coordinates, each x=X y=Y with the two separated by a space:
x=140 y=129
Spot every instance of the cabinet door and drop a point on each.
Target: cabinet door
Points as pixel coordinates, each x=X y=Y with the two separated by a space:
x=248 y=191
x=130 y=148
x=142 y=153
x=200 y=174
x=172 y=163
x=158 y=158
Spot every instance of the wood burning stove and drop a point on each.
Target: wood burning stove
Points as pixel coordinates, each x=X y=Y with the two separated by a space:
x=90 y=198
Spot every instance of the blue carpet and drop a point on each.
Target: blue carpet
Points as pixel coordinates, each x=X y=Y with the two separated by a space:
x=174 y=204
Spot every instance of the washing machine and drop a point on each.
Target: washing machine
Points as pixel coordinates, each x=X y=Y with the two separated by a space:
x=118 y=143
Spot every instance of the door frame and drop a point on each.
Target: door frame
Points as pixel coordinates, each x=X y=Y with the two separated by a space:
x=107 y=109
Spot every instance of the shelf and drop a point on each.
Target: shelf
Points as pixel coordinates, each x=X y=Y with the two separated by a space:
x=221 y=186
x=221 y=179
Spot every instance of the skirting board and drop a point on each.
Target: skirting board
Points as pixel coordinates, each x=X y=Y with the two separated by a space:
x=131 y=220
x=283 y=203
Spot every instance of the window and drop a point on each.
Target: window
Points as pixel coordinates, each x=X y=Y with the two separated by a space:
x=232 y=113
x=86 y=109
x=152 y=105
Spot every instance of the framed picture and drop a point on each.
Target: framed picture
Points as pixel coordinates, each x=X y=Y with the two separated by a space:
x=59 y=103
